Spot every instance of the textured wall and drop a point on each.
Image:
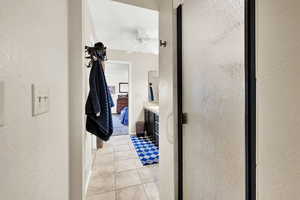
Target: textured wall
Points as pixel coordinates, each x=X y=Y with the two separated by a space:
x=278 y=47
x=213 y=73
x=34 y=150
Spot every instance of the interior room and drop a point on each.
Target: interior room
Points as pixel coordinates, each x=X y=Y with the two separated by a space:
x=127 y=165
x=117 y=77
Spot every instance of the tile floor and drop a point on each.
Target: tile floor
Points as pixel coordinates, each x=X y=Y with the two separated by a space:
x=119 y=175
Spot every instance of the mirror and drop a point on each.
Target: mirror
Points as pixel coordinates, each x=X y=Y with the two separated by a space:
x=153 y=86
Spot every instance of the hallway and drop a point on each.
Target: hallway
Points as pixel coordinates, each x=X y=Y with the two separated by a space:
x=228 y=99
x=118 y=174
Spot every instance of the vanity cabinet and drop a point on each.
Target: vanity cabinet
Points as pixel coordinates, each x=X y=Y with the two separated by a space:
x=152 y=125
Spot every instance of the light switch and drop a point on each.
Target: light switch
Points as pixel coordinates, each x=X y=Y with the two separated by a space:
x=40 y=99
x=1 y=103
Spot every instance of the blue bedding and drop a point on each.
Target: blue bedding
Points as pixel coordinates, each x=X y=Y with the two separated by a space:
x=124 y=116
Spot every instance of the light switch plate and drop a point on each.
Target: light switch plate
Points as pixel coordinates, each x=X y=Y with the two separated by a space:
x=40 y=99
x=2 y=103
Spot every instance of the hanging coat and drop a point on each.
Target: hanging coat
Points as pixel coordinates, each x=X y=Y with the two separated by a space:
x=99 y=102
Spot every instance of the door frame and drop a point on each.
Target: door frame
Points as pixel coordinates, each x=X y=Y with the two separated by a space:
x=250 y=101
x=77 y=13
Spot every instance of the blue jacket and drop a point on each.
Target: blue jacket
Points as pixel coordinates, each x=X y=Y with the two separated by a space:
x=99 y=101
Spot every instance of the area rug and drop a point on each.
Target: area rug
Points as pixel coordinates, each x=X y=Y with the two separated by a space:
x=119 y=128
x=146 y=150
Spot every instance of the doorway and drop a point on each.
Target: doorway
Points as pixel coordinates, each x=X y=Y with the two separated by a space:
x=127 y=165
x=78 y=13
x=117 y=76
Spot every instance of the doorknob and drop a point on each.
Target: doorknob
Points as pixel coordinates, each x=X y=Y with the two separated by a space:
x=162 y=43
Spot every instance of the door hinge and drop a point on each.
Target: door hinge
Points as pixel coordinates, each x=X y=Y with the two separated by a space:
x=162 y=43
x=184 y=118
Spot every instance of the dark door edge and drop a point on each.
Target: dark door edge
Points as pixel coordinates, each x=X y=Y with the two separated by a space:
x=250 y=98
x=179 y=101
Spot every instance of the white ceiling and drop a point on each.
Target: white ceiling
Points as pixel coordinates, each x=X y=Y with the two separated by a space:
x=124 y=27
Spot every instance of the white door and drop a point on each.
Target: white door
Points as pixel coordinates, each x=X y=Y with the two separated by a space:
x=214 y=99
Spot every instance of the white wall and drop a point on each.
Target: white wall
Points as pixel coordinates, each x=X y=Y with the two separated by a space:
x=116 y=73
x=34 y=150
x=278 y=95
x=141 y=63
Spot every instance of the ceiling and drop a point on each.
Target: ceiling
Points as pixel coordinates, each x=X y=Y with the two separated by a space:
x=124 y=27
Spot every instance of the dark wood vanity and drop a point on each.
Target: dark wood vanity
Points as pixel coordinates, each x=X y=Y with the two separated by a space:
x=152 y=122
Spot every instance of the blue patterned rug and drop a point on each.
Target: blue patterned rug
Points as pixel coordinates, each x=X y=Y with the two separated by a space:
x=146 y=150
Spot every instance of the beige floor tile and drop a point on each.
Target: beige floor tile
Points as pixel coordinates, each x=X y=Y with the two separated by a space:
x=101 y=183
x=103 y=196
x=152 y=191
x=119 y=140
x=104 y=164
x=155 y=172
x=148 y=174
x=157 y=184
x=107 y=148
x=131 y=193
x=104 y=159
x=125 y=155
x=117 y=166
x=129 y=164
x=127 y=178
x=103 y=170
x=122 y=147
x=122 y=137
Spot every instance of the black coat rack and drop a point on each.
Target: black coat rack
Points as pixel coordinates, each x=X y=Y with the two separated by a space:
x=97 y=52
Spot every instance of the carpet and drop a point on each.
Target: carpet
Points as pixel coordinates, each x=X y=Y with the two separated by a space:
x=146 y=150
x=119 y=129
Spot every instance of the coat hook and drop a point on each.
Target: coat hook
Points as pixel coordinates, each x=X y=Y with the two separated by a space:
x=163 y=43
